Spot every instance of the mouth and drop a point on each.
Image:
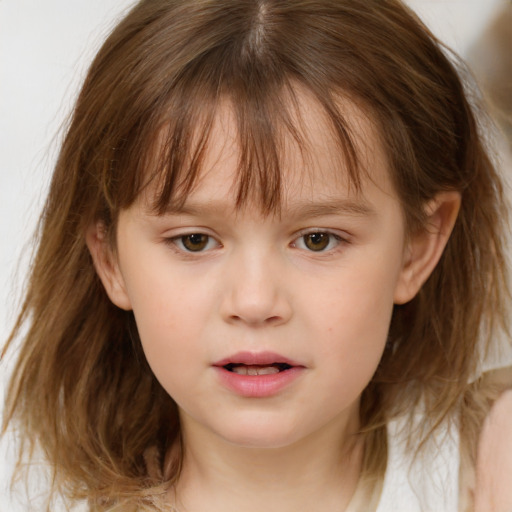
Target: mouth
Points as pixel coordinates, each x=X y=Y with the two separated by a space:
x=245 y=369
x=258 y=374
x=257 y=363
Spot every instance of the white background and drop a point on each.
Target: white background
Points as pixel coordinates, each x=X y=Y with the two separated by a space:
x=45 y=48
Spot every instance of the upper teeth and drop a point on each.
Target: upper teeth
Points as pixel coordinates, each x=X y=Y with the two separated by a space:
x=255 y=370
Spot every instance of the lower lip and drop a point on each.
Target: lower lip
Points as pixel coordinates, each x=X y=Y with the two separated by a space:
x=259 y=386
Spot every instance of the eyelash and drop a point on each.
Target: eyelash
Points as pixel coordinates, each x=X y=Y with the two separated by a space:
x=177 y=242
x=333 y=242
x=332 y=238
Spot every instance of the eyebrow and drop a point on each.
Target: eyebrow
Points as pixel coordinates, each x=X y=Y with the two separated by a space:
x=301 y=209
x=332 y=207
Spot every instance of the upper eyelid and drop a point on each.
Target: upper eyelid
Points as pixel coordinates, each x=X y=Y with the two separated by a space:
x=341 y=241
x=343 y=235
x=179 y=232
x=301 y=232
x=175 y=233
x=174 y=243
x=186 y=231
x=183 y=230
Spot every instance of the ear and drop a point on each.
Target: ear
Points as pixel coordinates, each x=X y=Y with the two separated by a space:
x=106 y=265
x=425 y=247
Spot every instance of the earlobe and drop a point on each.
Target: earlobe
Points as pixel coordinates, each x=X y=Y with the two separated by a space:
x=106 y=265
x=425 y=247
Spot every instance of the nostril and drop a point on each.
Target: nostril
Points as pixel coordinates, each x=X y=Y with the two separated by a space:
x=255 y=309
x=255 y=320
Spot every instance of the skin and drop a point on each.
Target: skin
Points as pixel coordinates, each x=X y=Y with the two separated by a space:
x=257 y=286
x=494 y=465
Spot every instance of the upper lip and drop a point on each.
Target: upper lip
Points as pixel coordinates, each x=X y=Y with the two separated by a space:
x=256 y=359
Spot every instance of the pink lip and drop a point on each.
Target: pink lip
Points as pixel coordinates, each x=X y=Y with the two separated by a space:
x=257 y=386
x=256 y=358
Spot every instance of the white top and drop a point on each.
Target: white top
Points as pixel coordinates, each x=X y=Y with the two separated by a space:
x=429 y=483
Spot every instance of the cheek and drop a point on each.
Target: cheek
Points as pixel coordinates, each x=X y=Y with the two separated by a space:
x=169 y=313
x=354 y=317
x=358 y=303
x=163 y=297
x=168 y=340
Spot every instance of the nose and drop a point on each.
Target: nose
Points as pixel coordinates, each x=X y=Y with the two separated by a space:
x=256 y=292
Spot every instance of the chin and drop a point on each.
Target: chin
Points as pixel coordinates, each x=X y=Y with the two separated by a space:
x=261 y=443
x=261 y=435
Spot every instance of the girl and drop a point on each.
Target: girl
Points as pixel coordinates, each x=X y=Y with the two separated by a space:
x=270 y=266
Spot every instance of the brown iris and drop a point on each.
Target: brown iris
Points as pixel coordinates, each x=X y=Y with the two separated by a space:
x=195 y=242
x=317 y=241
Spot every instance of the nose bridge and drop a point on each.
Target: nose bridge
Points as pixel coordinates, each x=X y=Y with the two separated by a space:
x=256 y=292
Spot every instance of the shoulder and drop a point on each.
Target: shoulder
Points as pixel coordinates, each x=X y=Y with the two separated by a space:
x=493 y=489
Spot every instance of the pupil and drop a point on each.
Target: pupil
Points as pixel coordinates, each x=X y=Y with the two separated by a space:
x=317 y=241
x=195 y=242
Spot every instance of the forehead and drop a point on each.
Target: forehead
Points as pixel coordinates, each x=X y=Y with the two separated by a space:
x=313 y=165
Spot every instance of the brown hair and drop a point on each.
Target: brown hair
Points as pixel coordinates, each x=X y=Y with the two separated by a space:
x=81 y=389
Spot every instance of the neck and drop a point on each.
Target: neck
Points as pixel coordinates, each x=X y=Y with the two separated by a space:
x=318 y=473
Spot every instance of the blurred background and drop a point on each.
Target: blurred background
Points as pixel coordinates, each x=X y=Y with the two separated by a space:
x=45 y=49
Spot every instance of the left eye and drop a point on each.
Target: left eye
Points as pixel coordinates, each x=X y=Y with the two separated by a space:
x=195 y=242
x=318 y=241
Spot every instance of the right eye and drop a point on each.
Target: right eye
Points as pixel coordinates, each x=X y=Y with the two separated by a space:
x=194 y=242
x=318 y=241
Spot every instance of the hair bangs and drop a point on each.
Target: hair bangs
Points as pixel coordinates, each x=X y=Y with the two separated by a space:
x=269 y=125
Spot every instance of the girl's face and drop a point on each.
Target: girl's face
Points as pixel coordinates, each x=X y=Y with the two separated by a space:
x=266 y=329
